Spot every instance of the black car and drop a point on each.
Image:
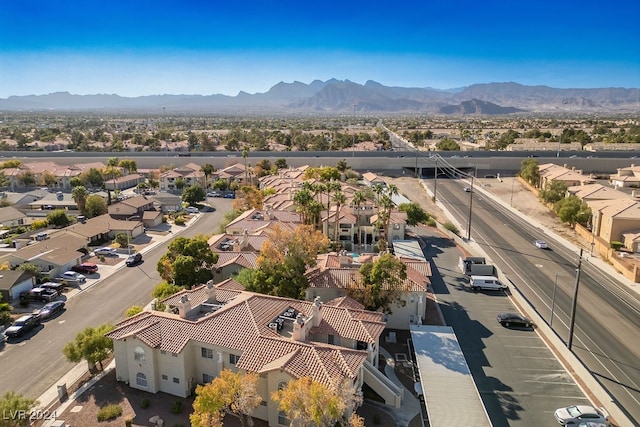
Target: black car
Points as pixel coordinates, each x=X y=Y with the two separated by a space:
x=39 y=294
x=21 y=326
x=133 y=259
x=57 y=287
x=514 y=319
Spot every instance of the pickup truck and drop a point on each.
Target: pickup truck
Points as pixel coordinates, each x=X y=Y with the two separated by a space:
x=39 y=294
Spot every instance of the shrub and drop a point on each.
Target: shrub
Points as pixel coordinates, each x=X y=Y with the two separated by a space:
x=451 y=227
x=615 y=245
x=109 y=412
x=145 y=403
x=128 y=421
x=431 y=222
x=179 y=221
x=176 y=407
x=101 y=258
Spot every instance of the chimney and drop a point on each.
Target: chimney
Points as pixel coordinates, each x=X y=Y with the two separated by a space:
x=315 y=312
x=184 y=306
x=299 y=331
x=245 y=239
x=211 y=291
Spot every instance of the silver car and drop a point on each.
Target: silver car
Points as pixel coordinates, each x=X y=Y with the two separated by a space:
x=577 y=414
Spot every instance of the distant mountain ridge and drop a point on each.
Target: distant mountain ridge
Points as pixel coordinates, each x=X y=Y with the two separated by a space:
x=343 y=97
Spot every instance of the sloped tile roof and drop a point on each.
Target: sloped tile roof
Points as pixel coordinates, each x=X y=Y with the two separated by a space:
x=241 y=325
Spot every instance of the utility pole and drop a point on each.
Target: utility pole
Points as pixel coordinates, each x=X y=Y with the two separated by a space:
x=353 y=140
x=435 y=181
x=574 y=303
x=470 y=210
x=416 y=174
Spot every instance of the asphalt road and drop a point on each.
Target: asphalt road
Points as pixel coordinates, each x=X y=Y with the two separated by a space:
x=607 y=320
x=35 y=363
x=519 y=379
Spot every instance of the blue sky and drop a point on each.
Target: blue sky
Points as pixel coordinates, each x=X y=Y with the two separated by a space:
x=143 y=47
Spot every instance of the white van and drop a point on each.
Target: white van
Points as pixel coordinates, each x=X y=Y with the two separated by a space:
x=489 y=283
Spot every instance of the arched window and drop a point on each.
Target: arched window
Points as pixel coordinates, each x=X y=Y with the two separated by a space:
x=141 y=379
x=139 y=355
x=281 y=385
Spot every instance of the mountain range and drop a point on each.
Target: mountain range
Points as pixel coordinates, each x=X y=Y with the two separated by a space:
x=346 y=97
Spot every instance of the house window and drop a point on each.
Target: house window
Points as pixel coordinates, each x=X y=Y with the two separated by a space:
x=141 y=379
x=412 y=298
x=282 y=385
x=282 y=419
x=207 y=353
x=165 y=377
x=233 y=358
x=330 y=339
x=411 y=319
x=206 y=378
x=176 y=380
x=139 y=355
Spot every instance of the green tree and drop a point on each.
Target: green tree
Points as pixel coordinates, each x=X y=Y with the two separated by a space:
x=194 y=194
x=91 y=345
x=27 y=178
x=58 y=218
x=30 y=267
x=280 y=163
x=573 y=210
x=180 y=183
x=165 y=290
x=128 y=165
x=382 y=284
x=283 y=260
x=79 y=195
x=233 y=393
x=415 y=214
x=94 y=177
x=553 y=192
x=448 y=145
x=122 y=239
x=208 y=170
x=5 y=316
x=14 y=403
x=188 y=262
x=530 y=172
x=132 y=311
x=95 y=206
x=76 y=181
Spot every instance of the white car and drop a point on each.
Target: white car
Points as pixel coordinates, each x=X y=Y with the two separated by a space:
x=73 y=276
x=106 y=251
x=193 y=210
x=541 y=244
x=577 y=414
x=467 y=189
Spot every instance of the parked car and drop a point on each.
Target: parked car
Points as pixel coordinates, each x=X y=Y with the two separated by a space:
x=58 y=288
x=72 y=276
x=214 y=193
x=193 y=210
x=467 y=189
x=576 y=414
x=541 y=244
x=106 y=251
x=49 y=309
x=38 y=294
x=133 y=259
x=514 y=319
x=85 y=267
x=230 y=195
x=21 y=326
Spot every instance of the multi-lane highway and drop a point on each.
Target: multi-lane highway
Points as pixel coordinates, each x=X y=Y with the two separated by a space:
x=607 y=321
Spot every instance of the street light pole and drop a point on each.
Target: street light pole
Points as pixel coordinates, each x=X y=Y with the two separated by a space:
x=435 y=181
x=574 y=303
x=353 y=143
x=559 y=142
x=512 y=184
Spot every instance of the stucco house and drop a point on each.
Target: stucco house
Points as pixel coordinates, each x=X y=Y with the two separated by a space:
x=210 y=328
x=12 y=282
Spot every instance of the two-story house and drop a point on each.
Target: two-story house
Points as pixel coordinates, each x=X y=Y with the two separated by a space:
x=208 y=329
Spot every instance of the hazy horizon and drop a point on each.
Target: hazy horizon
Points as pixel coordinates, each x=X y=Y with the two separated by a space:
x=203 y=48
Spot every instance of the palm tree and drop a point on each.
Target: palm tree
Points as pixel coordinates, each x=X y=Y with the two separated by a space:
x=339 y=199
x=245 y=154
x=384 y=216
x=208 y=170
x=358 y=199
x=303 y=198
x=79 y=195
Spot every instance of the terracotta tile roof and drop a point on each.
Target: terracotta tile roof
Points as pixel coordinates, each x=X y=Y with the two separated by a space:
x=346 y=302
x=241 y=325
x=243 y=259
